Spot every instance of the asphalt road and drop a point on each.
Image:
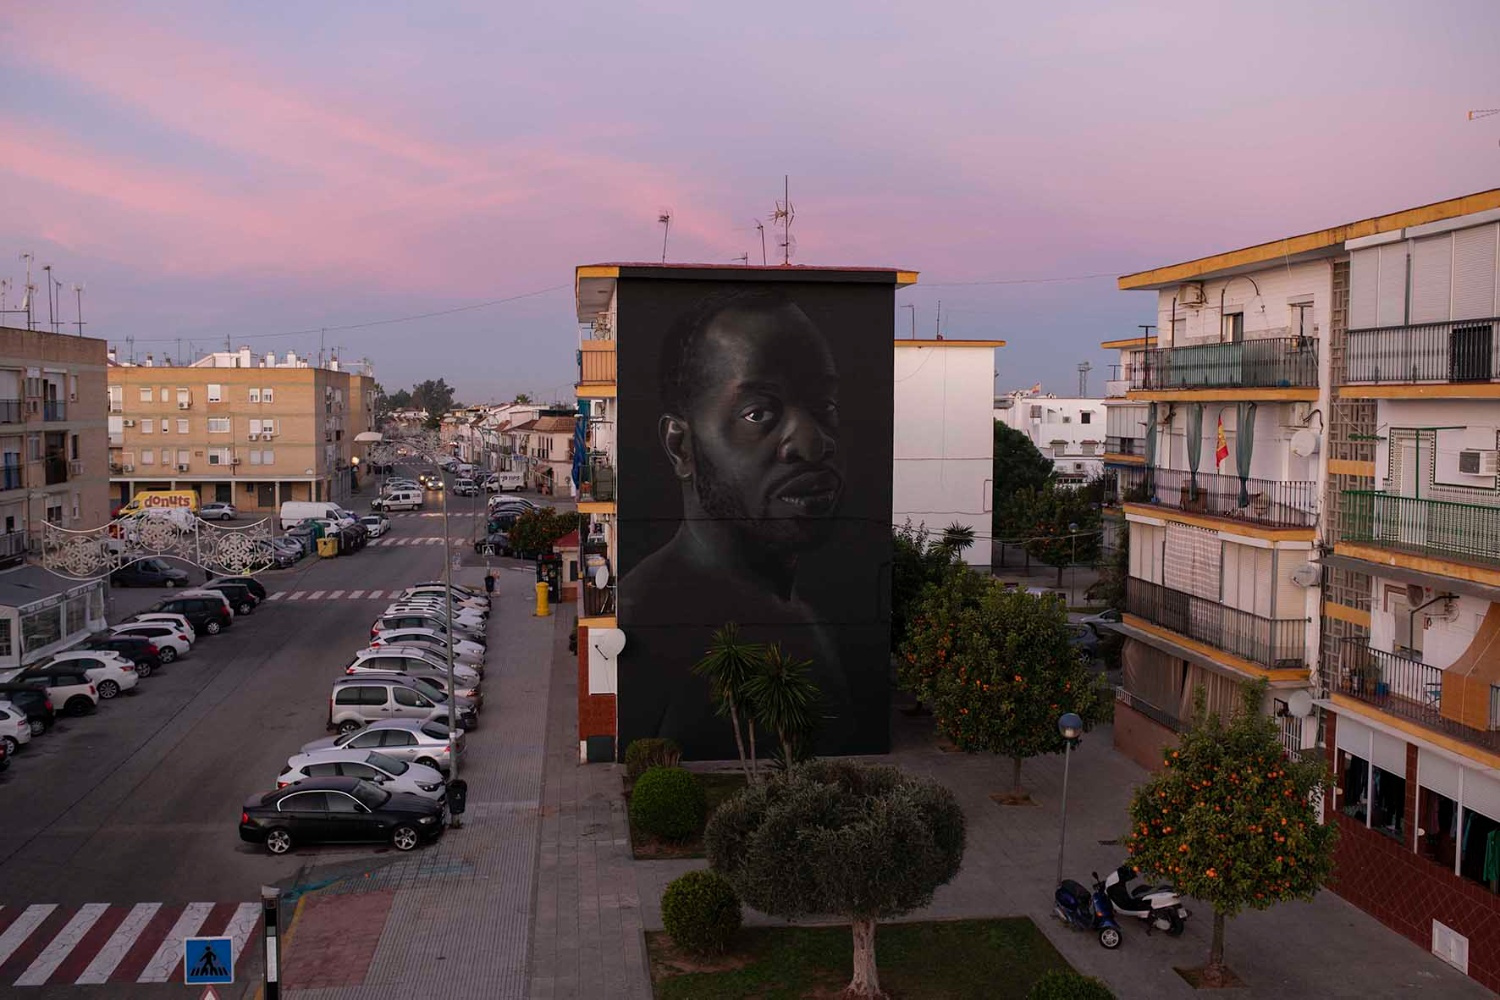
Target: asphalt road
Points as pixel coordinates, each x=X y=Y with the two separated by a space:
x=140 y=802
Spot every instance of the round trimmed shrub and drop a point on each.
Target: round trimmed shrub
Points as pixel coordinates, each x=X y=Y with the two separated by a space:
x=644 y=754
x=1065 y=984
x=701 y=912
x=668 y=802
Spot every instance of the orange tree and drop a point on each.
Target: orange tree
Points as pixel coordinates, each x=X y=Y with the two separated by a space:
x=535 y=531
x=1229 y=819
x=997 y=667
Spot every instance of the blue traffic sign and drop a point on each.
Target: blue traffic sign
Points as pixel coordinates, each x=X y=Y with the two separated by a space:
x=207 y=960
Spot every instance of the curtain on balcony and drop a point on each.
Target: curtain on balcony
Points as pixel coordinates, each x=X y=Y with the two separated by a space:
x=580 y=444
x=1150 y=451
x=1244 y=447
x=1194 y=446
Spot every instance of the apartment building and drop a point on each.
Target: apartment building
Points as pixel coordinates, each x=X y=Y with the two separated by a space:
x=1124 y=432
x=545 y=449
x=1345 y=540
x=244 y=429
x=1069 y=431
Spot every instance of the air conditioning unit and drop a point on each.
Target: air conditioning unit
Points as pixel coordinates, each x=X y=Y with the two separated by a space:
x=73 y=398
x=128 y=422
x=182 y=468
x=75 y=468
x=254 y=437
x=1416 y=594
x=1472 y=462
x=128 y=468
x=183 y=404
x=234 y=461
x=1191 y=294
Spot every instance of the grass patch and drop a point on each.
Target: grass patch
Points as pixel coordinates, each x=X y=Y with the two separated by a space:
x=995 y=959
x=717 y=787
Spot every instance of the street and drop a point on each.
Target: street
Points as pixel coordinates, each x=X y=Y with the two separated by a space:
x=136 y=807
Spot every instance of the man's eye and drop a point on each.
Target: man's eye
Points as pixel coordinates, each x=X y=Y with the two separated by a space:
x=760 y=414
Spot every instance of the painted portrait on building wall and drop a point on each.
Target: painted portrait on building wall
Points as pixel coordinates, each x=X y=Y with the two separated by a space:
x=755 y=440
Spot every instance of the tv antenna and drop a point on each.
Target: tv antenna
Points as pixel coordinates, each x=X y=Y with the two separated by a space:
x=1483 y=113
x=784 y=215
x=1083 y=378
x=743 y=258
x=665 y=218
x=47 y=270
x=26 y=305
x=78 y=298
x=762 y=227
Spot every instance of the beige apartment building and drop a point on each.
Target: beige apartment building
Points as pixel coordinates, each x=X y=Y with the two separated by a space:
x=51 y=435
x=239 y=428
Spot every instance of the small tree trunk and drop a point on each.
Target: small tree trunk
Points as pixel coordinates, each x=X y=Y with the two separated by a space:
x=754 y=765
x=1015 y=777
x=739 y=739
x=1059 y=576
x=866 y=981
x=1213 y=972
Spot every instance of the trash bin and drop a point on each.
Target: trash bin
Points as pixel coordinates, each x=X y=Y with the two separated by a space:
x=328 y=547
x=458 y=796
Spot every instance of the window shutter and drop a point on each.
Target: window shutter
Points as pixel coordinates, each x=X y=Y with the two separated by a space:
x=1431 y=279
x=1390 y=307
x=1364 y=272
x=1474 y=272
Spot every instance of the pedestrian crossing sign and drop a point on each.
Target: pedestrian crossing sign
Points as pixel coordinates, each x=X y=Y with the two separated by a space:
x=207 y=960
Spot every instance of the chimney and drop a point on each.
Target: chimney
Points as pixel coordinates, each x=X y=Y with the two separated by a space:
x=149 y=362
x=111 y=355
x=245 y=357
x=291 y=359
x=333 y=364
x=270 y=361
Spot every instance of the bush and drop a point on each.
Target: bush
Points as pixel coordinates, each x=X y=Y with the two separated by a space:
x=701 y=912
x=1065 y=984
x=644 y=754
x=668 y=802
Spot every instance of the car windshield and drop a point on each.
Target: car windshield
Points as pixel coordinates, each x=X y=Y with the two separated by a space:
x=370 y=796
x=389 y=765
x=430 y=689
x=344 y=740
x=435 y=731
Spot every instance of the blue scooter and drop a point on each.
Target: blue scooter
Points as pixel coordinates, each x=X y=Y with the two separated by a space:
x=1087 y=911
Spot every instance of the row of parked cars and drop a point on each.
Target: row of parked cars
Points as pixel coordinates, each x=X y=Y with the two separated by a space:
x=502 y=513
x=113 y=662
x=382 y=776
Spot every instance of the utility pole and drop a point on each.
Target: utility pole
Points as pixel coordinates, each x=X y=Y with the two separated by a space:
x=762 y=227
x=937 y=327
x=78 y=297
x=47 y=271
x=665 y=218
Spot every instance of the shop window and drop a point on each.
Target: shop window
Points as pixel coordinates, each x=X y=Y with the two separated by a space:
x=1480 y=843
x=1437 y=819
x=1373 y=796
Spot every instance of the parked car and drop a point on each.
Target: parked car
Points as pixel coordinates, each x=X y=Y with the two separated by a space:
x=210 y=615
x=466 y=488
x=218 y=511
x=495 y=543
x=460 y=598
x=171 y=642
x=255 y=586
x=285 y=551
x=359 y=700
x=179 y=622
x=69 y=690
x=138 y=649
x=339 y=811
x=400 y=659
x=149 y=573
x=241 y=600
x=1109 y=616
x=206 y=593
x=404 y=739
x=376 y=524
x=422 y=619
x=458 y=588
x=33 y=700
x=434 y=684
x=108 y=672
x=1084 y=640
x=15 y=728
x=402 y=499
x=391 y=774
x=463 y=651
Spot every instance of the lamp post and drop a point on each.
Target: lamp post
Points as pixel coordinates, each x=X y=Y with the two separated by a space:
x=452 y=690
x=1073 y=563
x=1071 y=728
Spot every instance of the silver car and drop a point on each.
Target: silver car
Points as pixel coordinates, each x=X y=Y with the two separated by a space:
x=412 y=740
x=389 y=773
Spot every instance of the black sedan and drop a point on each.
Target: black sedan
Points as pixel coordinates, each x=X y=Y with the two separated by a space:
x=32 y=699
x=339 y=811
x=149 y=573
x=138 y=649
x=250 y=583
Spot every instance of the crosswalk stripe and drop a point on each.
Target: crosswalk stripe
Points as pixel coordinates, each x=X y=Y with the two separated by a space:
x=16 y=934
x=240 y=928
x=375 y=593
x=159 y=969
x=277 y=596
x=57 y=949
x=335 y=595
x=296 y=595
x=119 y=943
x=316 y=594
x=355 y=593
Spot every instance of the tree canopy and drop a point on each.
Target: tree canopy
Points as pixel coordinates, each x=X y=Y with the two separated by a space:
x=1018 y=465
x=534 y=532
x=1059 y=524
x=916 y=562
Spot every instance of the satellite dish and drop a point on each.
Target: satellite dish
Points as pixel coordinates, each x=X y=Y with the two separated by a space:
x=601 y=577
x=1306 y=575
x=1300 y=704
x=608 y=641
x=1305 y=443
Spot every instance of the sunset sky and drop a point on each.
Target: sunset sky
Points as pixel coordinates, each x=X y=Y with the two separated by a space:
x=246 y=170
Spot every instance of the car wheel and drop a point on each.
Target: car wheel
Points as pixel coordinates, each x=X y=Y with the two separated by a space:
x=349 y=726
x=279 y=840
x=11 y=746
x=38 y=727
x=79 y=705
x=143 y=670
x=108 y=689
x=428 y=762
x=167 y=654
x=171 y=584
x=245 y=608
x=213 y=627
x=405 y=837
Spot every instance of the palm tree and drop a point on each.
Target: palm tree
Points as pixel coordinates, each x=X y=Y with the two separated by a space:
x=729 y=665
x=784 y=699
x=957 y=537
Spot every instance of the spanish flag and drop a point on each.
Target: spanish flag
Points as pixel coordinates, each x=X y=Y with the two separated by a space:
x=1221 y=452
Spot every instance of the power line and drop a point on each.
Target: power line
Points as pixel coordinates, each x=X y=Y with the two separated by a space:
x=1017 y=281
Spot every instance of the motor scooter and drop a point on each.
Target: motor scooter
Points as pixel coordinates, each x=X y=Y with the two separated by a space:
x=1086 y=911
x=1159 y=905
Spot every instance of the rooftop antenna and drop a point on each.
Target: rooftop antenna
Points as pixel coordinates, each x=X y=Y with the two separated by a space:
x=47 y=270
x=130 y=347
x=937 y=327
x=78 y=298
x=57 y=291
x=1083 y=378
x=665 y=218
x=743 y=258
x=762 y=227
x=784 y=214
x=26 y=306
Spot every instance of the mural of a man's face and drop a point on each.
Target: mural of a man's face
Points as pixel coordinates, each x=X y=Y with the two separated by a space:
x=759 y=438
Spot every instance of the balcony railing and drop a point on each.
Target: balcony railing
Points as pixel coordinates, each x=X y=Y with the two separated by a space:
x=1278 y=504
x=1458 y=351
x=1274 y=643
x=599 y=479
x=54 y=409
x=10 y=477
x=12 y=411
x=1271 y=362
x=1403 y=687
x=597 y=601
x=1124 y=445
x=1442 y=528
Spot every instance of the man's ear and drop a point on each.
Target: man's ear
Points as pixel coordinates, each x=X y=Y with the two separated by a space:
x=677 y=439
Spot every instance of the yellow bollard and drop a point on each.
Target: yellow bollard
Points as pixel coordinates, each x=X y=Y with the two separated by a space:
x=543 y=608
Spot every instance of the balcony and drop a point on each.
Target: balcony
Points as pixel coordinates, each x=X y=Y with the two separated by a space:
x=54 y=409
x=12 y=411
x=56 y=469
x=1114 y=445
x=1271 y=362
x=1272 y=503
x=598 y=602
x=596 y=361
x=11 y=477
x=1273 y=643
x=1441 y=528
x=598 y=480
x=1455 y=352
x=12 y=547
x=1406 y=688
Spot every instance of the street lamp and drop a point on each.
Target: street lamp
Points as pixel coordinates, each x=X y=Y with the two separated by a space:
x=1071 y=728
x=1073 y=591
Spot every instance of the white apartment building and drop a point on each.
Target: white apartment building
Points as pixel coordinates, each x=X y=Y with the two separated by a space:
x=1068 y=430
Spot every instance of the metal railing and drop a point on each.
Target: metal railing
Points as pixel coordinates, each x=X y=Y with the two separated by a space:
x=1403 y=687
x=1457 y=351
x=1124 y=445
x=597 y=601
x=1279 y=504
x=1275 y=643
x=1270 y=362
x=1431 y=527
x=54 y=409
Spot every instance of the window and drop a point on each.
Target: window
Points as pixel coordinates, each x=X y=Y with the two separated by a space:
x=165 y=395
x=148 y=426
x=367 y=739
x=267 y=457
x=350 y=696
x=353 y=770
x=408 y=698
x=218 y=456
x=182 y=425
x=215 y=392
x=116 y=399
x=1232 y=327
x=73 y=447
x=268 y=427
x=255 y=426
x=34 y=447
x=6 y=647
x=267 y=396
x=338 y=802
x=255 y=395
x=322 y=770
x=146 y=395
x=183 y=395
x=182 y=456
x=148 y=456
x=218 y=425
x=1302 y=320
x=1086 y=417
x=304 y=802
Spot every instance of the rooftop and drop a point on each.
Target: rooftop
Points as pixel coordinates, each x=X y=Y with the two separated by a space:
x=26 y=585
x=594 y=283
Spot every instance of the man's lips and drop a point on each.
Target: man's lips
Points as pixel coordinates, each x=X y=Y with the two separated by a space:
x=812 y=492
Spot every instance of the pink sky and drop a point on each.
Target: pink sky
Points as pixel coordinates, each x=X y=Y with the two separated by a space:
x=233 y=171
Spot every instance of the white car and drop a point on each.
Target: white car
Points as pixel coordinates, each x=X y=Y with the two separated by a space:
x=179 y=621
x=459 y=600
x=376 y=524
x=389 y=773
x=396 y=658
x=171 y=642
x=108 y=671
x=462 y=618
x=463 y=650
x=15 y=731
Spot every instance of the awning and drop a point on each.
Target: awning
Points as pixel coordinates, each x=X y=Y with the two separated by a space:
x=1441 y=584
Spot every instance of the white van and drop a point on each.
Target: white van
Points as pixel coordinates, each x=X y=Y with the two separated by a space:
x=399 y=500
x=510 y=480
x=294 y=512
x=465 y=469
